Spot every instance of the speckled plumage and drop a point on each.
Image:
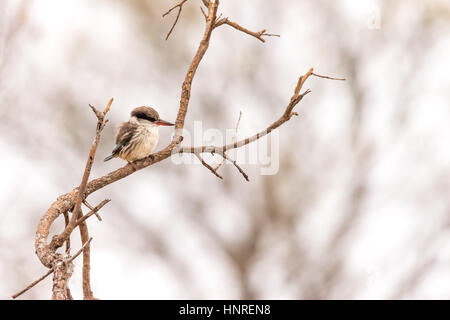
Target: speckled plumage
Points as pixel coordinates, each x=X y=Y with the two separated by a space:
x=143 y=141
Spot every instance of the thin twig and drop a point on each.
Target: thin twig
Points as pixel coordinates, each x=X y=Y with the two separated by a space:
x=92 y=212
x=233 y=139
x=80 y=251
x=204 y=13
x=224 y=155
x=208 y=166
x=258 y=35
x=327 y=77
x=180 y=4
x=92 y=209
x=33 y=284
x=180 y=7
x=50 y=272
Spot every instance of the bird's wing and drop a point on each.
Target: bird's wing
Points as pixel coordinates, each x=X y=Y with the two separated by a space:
x=124 y=135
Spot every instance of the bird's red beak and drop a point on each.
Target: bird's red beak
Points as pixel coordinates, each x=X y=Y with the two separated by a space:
x=161 y=122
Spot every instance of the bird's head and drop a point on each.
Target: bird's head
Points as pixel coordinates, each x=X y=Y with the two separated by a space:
x=148 y=115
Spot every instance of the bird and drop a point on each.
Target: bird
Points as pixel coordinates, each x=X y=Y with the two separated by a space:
x=137 y=138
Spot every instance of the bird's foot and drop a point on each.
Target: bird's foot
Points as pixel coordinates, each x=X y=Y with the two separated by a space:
x=133 y=166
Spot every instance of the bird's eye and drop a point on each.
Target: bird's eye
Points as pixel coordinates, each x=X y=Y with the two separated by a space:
x=151 y=119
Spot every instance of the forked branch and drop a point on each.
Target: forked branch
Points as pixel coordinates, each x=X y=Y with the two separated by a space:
x=286 y=116
x=180 y=7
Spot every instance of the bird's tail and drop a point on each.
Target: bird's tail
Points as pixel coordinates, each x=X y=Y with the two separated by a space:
x=108 y=158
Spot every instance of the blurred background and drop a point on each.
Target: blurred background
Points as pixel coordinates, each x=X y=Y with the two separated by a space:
x=360 y=206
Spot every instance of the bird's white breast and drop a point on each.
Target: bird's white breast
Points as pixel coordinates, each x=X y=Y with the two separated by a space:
x=144 y=142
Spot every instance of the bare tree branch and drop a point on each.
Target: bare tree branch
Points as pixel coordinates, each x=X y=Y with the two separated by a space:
x=92 y=212
x=288 y=113
x=232 y=139
x=208 y=166
x=77 y=213
x=180 y=7
x=326 y=77
x=49 y=251
x=224 y=155
x=186 y=87
x=258 y=35
x=57 y=241
x=286 y=116
x=14 y=296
